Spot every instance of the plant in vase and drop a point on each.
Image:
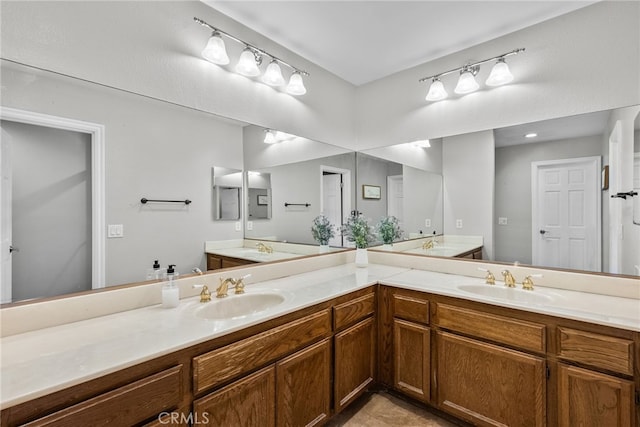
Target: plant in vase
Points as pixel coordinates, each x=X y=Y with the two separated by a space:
x=358 y=231
x=388 y=230
x=322 y=231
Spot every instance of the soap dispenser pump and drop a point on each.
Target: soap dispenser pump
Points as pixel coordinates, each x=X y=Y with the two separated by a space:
x=170 y=292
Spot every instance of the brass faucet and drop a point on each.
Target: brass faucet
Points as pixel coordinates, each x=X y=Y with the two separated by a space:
x=238 y=284
x=489 y=279
x=428 y=244
x=264 y=248
x=509 y=280
x=205 y=295
x=527 y=283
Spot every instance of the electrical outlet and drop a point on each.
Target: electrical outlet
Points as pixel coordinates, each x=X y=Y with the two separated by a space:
x=249 y=225
x=458 y=223
x=115 y=231
x=502 y=220
x=238 y=226
x=427 y=223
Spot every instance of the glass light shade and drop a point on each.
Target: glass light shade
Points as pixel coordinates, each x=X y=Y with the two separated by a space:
x=296 y=85
x=500 y=74
x=269 y=137
x=215 y=50
x=437 y=91
x=247 y=64
x=466 y=83
x=273 y=75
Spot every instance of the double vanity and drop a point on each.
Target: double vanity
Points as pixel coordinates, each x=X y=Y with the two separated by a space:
x=310 y=335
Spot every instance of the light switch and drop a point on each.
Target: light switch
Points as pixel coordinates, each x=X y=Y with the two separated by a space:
x=249 y=225
x=238 y=226
x=458 y=223
x=427 y=223
x=502 y=220
x=115 y=231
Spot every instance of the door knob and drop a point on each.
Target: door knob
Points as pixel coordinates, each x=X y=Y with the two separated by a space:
x=13 y=249
x=543 y=232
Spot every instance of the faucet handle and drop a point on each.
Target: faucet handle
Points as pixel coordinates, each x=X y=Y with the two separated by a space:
x=239 y=284
x=527 y=283
x=509 y=280
x=489 y=279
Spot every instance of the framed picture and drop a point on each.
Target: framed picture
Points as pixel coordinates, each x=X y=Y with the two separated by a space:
x=263 y=200
x=605 y=177
x=371 y=192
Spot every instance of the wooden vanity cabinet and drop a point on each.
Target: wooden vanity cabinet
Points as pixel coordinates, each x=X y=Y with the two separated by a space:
x=216 y=262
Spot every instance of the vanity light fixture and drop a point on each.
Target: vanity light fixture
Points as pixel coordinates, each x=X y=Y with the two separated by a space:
x=500 y=75
x=250 y=61
x=531 y=135
x=269 y=136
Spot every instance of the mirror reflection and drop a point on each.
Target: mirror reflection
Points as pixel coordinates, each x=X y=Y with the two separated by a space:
x=259 y=195
x=227 y=193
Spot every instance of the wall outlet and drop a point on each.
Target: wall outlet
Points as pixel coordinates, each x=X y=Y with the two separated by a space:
x=502 y=220
x=238 y=226
x=427 y=223
x=115 y=231
x=249 y=225
x=458 y=223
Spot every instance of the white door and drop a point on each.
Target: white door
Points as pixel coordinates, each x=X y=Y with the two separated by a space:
x=332 y=203
x=395 y=197
x=5 y=218
x=566 y=214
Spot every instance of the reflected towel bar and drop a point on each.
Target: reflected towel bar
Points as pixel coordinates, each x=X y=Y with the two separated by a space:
x=306 y=205
x=144 y=200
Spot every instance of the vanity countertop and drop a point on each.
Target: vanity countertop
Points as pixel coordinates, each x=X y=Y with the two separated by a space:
x=43 y=361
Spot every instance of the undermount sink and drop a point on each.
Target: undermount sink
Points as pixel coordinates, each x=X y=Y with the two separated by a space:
x=235 y=306
x=507 y=294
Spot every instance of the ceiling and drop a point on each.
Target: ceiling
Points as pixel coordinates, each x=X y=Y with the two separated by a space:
x=362 y=41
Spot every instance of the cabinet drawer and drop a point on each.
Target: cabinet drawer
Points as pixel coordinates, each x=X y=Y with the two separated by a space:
x=352 y=311
x=600 y=351
x=126 y=405
x=411 y=308
x=218 y=366
x=505 y=330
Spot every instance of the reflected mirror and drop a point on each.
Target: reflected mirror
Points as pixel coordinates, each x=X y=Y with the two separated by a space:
x=258 y=195
x=227 y=193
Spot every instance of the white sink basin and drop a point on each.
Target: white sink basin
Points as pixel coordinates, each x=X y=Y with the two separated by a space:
x=507 y=294
x=235 y=306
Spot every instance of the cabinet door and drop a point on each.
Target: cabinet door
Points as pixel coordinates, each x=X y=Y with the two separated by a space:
x=303 y=386
x=246 y=402
x=411 y=359
x=490 y=385
x=354 y=362
x=587 y=398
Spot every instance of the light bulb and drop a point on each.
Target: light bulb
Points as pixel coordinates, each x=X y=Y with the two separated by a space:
x=296 y=85
x=437 y=91
x=273 y=74
x=466 y=83
x=247 y=64
x=500 y=74
x=269 y=137
x=215 y=50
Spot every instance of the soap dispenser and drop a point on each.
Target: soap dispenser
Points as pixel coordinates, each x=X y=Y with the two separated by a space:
x=170 y=292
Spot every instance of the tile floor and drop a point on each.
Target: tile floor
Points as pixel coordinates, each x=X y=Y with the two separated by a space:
x=384 y=410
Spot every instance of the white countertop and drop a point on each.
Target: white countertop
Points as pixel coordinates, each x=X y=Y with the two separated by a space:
x=40 y=362
x=252 y=254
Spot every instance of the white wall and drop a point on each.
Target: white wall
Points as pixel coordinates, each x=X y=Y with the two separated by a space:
x=585 y=61
x=513 y=190
x=423 y=200
x=468 y=169
x=153 y=48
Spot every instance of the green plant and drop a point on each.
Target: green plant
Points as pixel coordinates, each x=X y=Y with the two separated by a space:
x=322 y=230
x=388 y=229
x=358 y=230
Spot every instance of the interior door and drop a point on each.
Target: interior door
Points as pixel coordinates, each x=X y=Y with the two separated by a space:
x=395 y=197
x=566 y=214
x=6 y=250
x=332 y=203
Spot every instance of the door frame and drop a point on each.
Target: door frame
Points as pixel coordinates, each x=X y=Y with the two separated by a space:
x=593 y=162
x=97 y=133
x=346 y=188
x=391 y=192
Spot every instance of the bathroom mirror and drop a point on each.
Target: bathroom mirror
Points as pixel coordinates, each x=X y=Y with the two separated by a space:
x=227 y=193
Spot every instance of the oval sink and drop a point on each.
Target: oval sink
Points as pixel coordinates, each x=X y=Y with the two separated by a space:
x=507 y=294
x=236 y=306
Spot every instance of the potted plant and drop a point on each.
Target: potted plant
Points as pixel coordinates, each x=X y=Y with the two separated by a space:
x=358 y=231
x=388 y=230
x=322 y=231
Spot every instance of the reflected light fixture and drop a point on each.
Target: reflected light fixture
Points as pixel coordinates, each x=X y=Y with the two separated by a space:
x=250 y=61
x=269 y=136
x=467 y=83
x=272 y=136
x=423 y=143
x=531 y=135
x=215 y=51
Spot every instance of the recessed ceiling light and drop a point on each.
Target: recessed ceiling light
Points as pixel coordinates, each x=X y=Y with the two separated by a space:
x=531 y=135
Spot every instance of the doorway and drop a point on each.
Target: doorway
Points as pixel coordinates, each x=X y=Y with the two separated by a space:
x=52 y=206
x=395 y=197
x=566 y=230
x=335 y=189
